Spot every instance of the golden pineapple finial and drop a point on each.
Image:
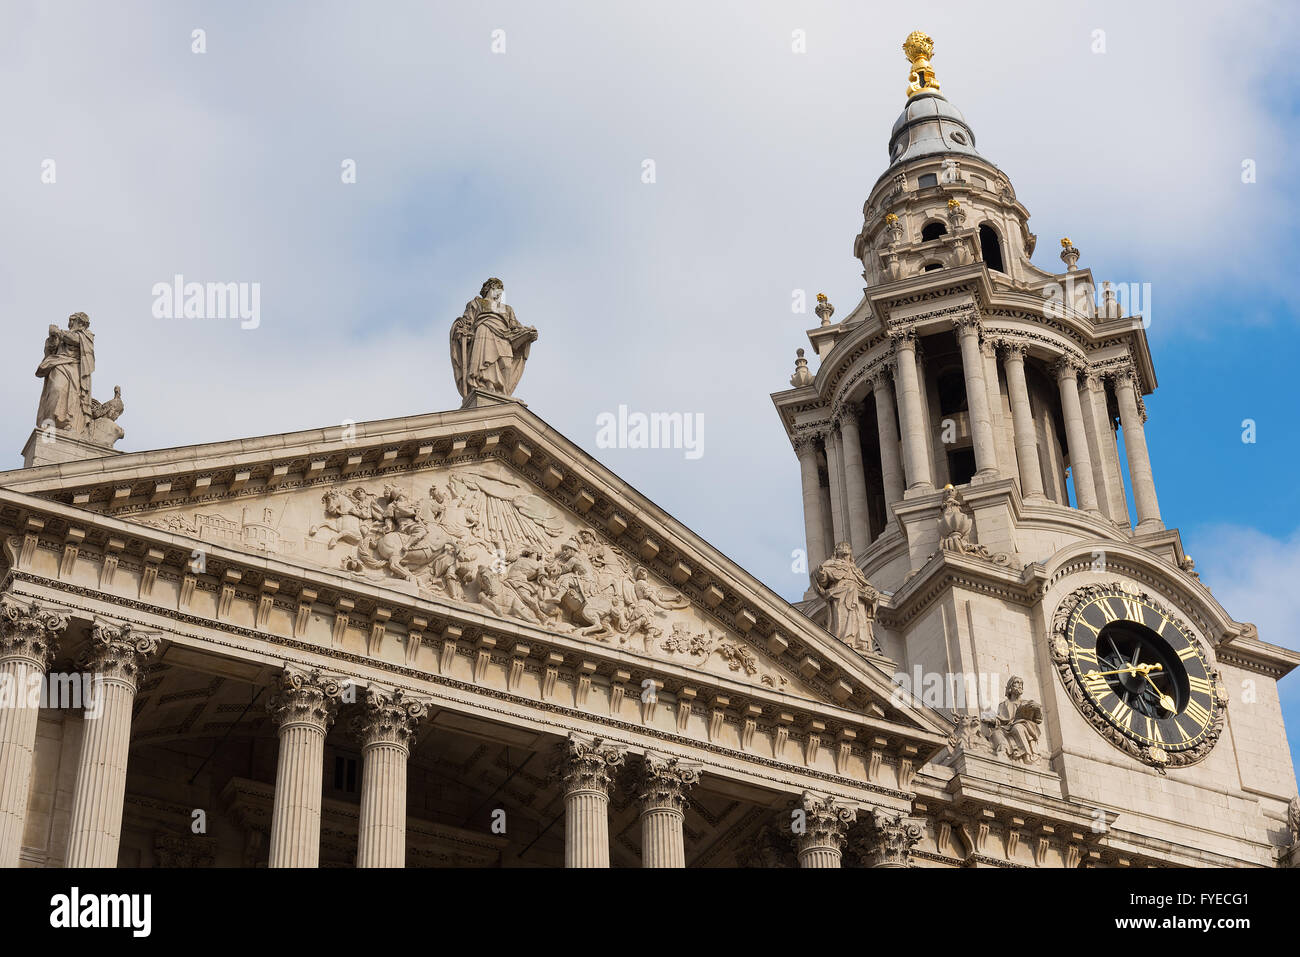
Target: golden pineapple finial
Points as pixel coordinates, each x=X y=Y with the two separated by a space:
x=918 y=48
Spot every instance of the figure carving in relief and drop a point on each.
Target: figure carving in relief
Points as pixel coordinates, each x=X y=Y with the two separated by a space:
x=489 y=346
x=850 y=600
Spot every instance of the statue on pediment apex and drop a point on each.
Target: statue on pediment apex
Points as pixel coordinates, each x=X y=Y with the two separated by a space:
x=850 y=600
x=489 y=346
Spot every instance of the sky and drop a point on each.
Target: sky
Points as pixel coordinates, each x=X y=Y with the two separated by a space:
x=512 y=140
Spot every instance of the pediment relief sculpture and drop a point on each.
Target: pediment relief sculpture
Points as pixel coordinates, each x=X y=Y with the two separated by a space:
x=482 y=536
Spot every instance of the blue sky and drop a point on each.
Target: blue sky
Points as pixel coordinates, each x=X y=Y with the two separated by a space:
x=671 y=296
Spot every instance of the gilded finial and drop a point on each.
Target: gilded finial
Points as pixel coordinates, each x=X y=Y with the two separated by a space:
x=918 y=48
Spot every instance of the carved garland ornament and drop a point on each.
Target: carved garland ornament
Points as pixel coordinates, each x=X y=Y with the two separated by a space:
x=1144 y=738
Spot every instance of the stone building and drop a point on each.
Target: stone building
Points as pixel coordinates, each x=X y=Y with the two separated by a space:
x=456 y=639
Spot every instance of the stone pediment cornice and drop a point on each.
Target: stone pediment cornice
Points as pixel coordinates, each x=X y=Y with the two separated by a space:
x=745 y=608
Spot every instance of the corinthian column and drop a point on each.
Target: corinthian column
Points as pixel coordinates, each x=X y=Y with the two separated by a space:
x=1067 y=378
x=304 y=707
x=662 y=800
x=855 y=478
x=977 y=395
x=890 y=839
x=916 y=447
x=28 y=637
x=1135 y=447
x=1022 y=421
x=814 y=519
x=116 y=658
x=825 y=829
x=891 y=468
x=585 y=767
x=386 y=730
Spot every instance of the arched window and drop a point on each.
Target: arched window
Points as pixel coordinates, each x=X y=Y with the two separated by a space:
x=933 y=231
x=991 y=247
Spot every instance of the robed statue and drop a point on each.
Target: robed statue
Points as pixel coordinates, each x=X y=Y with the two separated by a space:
x=66 y=404
x=850 y=600
x=69 y=360
x=488 y=344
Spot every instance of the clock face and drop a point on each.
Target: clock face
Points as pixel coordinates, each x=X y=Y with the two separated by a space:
x=1138 y=674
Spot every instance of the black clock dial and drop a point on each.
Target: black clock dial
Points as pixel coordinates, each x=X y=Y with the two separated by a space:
x=1141 y=671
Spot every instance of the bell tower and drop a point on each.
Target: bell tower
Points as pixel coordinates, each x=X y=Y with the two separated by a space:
x=962 y=432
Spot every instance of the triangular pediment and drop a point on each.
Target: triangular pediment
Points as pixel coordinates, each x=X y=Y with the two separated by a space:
x=488 y=509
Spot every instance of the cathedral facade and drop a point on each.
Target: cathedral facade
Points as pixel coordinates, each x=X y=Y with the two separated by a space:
x=456 y=639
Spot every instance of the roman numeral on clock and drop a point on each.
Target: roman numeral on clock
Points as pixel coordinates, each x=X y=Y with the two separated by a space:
x=1197 y=713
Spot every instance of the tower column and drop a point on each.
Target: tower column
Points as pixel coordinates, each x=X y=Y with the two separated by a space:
x=1139 y=460
x=977 y=396
x=825 y=830
x=916 y=450
x=662 y=801
x=1067 y=378
x=1022 y=421
x=29 y=636
x=386 y=730
x=855 y=478
x=835 y=472
x=304 y=708
x=585 y=767
x=115 y=659
x=814 y=519
x=891 y=466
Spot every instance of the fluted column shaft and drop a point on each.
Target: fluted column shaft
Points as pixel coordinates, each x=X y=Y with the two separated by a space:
x=28 y=637
x=1107 y=475
x=1022 y=421
x=304 y=708
x=116 y=657
x=916 y=448
x=977 y=398
x=855 y=480
x=1067 y=378
x=585 y=767
x=386 y=730
x=662 y=800
x=835 y=470
x=891 y=467
x=825 y=830
x=1139 y=459
x=814 y=521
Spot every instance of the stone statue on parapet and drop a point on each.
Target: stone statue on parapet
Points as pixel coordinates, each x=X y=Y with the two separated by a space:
x=850 y=600
x=489 y=346
x=66 y=405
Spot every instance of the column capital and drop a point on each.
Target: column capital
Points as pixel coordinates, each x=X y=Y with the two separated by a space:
x=807 y=439
x=882 y=373
x=389 y=718
x=968 y=320
x=665 y=782
x=1012 y=350
x=306 y=697
x=118 y=652
x=29 y=630
x=826 y=822
x=889 y=840
x=587 y=764
x=903 y=338
x=846 y=412
x=1067 y=367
